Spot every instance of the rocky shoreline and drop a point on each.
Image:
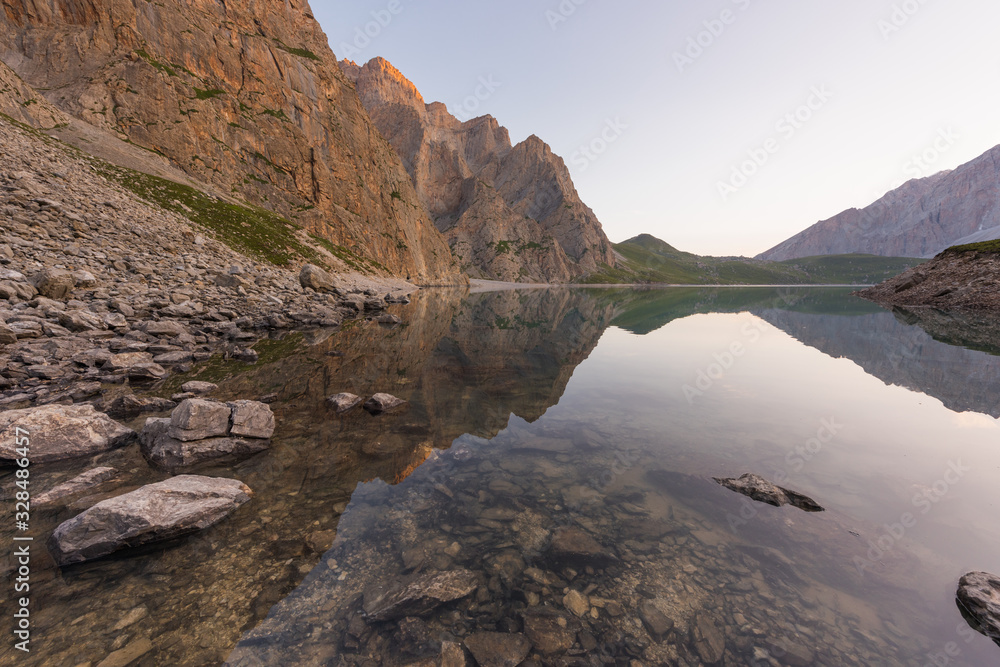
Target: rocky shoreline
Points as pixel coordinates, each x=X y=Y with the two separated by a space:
x=965 y=277
x=98 y=288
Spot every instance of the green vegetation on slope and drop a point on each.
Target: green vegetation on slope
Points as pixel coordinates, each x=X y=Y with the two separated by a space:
x=983 y=246
x=651 y=261
x=249 y=230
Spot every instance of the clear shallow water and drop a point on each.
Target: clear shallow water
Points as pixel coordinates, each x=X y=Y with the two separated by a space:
x=606 y=411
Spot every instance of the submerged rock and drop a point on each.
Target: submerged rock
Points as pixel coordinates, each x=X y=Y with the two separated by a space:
x=153 y=513
x=979 y=601
x=571 y=545
x=57 y=432
x=380 y=403
x=419 y=596
x=82 y=482
x=130 y=405
x=761 y=490
x=498 y=649
x=657 y=623
x=343 y=402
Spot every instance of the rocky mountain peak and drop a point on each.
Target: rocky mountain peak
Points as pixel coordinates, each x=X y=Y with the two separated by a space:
x=244 y=96
x=509 y=212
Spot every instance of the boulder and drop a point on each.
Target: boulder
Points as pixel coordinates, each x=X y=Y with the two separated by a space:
x=498 y=649
x=197 y=387
x=251 y=419
x=54 y=283
x=380 y=403
x=198 y=419
x=343 y=402
x=979 y=601
x=82 y=482
x=166 y=452
x=420 y=596
x=81 y=320
x=313 y=277
x=153 y=513
x=761 y=490
x=57 y=432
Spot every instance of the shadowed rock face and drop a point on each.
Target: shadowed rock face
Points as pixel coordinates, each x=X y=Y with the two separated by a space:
x=919 y=219
x=509 y=212
x=245 y=96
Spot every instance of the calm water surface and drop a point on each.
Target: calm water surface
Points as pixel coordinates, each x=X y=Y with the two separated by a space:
x=603 y=413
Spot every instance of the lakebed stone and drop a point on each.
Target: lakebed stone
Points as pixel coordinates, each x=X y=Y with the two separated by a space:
x=498 y=649
x=156 y=512
x=57 y=432
x=761 y=490
x=82 y=482
x=419 y=596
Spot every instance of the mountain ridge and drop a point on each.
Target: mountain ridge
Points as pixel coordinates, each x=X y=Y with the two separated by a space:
x=920 y=218
x=509 y=211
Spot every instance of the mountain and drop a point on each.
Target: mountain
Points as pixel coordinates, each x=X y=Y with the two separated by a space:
x=244 y=96
x=509 y=212
x=647 y=259
x=919 y=219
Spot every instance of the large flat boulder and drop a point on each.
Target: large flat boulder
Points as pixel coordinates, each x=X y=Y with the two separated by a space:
x=153 y=513
x=167 y=452
x=57 y=432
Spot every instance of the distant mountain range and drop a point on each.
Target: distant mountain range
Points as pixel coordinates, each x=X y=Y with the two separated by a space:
x=509 y=212
x=919 y=219
x=647 y=259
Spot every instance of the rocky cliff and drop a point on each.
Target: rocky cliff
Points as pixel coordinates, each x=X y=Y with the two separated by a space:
x=919 y=219
x=509 y=212
x=243 y=95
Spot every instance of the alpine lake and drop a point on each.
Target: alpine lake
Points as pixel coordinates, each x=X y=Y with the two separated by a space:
x=547 y=493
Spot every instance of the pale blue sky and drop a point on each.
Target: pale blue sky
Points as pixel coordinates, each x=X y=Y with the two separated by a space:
x=884 y=96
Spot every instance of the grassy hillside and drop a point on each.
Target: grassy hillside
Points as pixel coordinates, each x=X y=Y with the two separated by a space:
x=647 y=259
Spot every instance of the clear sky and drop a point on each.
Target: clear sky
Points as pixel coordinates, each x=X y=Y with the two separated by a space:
x=668 y=123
